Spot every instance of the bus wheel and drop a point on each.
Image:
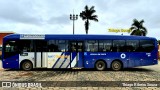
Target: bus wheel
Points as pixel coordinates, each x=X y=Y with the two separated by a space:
x=100 y=65
x=116 y=65
x=27 y=65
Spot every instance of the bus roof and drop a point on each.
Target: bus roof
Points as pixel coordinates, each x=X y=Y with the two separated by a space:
x=73 y=37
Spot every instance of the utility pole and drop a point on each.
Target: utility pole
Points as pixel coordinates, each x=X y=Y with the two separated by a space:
x=73 y=17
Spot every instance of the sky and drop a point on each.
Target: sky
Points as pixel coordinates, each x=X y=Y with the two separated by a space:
x=52 y=16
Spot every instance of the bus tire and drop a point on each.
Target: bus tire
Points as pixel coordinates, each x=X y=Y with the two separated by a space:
x=27 y=65
x=116 y=65
x=100 y=65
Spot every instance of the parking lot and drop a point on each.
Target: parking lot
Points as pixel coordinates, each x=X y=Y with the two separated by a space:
x=145 y=73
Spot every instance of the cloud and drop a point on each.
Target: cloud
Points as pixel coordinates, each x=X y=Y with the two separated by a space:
x=63 y=19
x=21 y=12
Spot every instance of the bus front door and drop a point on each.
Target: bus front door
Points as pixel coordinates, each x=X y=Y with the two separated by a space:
x=76 y=57
x=40 y=54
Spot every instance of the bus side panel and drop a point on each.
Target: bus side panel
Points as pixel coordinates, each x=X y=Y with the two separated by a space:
x=154 y=57
x=80 y=59
x=121 y=56
x=151 y=58
x=135 y=59
x=55 y=59
x=73 y=61
x=66 y=63
x=11 y=62
x=90 y=58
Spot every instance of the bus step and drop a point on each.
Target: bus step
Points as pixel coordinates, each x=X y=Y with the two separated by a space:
x=77 y=68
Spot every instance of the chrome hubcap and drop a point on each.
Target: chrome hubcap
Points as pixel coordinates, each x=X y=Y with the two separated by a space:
x=116 y=65
x=100 y=65
x=27 y=65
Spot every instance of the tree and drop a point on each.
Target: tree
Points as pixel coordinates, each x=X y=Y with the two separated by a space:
x=137 y=28
x=159 y=42
x=88 y=14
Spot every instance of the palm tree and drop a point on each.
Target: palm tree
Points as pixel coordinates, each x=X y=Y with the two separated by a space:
x=88 y=14
x=137 y=28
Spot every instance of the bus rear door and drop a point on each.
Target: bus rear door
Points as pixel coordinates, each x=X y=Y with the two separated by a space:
x=76 y=50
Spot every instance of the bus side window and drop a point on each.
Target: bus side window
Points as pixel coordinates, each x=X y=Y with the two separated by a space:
x=105 y=45
x=146 y=45
x=51 y=46
x=66 y=46
x=118 y=46
x=101 y=46
x=73 y=48
x=91 y=45
x=113 y=49
x=80 y=47
x=61 y=45
x=132 y=45
x=57 y=46
x=129 y=48
x=25 y=46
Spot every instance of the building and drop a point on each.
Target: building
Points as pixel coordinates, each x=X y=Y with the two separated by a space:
x=2 y=34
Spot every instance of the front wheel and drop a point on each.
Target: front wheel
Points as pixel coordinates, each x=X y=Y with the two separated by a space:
x=100 y=65
x=27 y=65
x=116 y=66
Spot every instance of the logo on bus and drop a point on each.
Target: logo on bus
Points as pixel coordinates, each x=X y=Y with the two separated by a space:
x=85 y=53
x=50 y=56
x=123 y=55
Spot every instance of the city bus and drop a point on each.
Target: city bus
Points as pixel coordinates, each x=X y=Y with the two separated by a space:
x=29 y=51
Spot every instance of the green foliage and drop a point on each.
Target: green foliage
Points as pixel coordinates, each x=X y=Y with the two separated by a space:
x=137 y=28
x=88 y=14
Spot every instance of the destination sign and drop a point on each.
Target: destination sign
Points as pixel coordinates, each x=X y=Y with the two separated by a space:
x=32 y=36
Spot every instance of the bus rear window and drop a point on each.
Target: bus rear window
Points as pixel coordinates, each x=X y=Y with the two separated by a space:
x=146 y=45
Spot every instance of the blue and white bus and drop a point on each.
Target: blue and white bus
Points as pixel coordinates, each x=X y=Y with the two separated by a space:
x=27 y=51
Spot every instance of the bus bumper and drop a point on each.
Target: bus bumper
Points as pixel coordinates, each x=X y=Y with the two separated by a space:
x=10 y=64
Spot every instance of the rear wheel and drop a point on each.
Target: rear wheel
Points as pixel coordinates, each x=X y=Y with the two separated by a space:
x=100 y=65
x=116 y=65
x=27 y=65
